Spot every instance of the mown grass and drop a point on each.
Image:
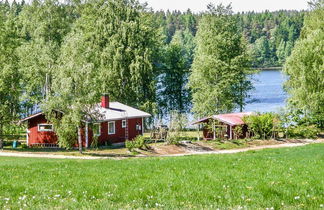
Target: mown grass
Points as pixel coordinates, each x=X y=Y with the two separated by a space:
x=290 y=178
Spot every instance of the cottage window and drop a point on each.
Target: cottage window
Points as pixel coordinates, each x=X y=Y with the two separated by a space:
x=45 y=127
x=124 y=124
x=111 y=127
x=138 y=127
x=96 y=129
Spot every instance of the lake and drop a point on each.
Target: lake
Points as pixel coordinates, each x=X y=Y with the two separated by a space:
x=268 y=95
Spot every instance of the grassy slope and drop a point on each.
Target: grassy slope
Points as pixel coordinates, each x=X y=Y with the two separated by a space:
x=289 y=178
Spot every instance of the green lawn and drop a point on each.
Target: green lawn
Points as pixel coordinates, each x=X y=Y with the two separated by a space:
x=279 y=178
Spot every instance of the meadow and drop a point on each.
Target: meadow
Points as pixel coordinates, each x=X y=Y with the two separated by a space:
x=290 y=178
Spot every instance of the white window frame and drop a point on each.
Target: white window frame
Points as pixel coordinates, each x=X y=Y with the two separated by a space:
x=123 y=123
x=97 y=134
x=138 y=127
x=45 y=130
x=110 y=133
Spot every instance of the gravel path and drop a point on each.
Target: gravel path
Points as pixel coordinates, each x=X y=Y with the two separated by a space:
x=51 y=156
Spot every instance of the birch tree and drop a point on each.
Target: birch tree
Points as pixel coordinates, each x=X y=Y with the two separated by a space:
x=9 y=75
x=219 y=80
x=44 y=25
x=109 y=50
x=305 y=68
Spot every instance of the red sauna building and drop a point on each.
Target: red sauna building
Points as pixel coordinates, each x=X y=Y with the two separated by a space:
x=227 y=122
x=118 y=122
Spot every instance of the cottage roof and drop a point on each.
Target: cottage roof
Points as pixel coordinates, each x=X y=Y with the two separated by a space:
x=230 y=118
x=116 y=111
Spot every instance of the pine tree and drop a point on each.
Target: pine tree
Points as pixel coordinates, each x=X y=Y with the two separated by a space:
x=281 y=52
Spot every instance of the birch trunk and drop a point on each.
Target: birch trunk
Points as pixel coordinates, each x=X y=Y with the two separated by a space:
x=1 y=141
x=79 y=140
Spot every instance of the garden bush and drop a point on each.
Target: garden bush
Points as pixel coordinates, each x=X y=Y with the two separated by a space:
x=303 y=131
x=262 y=125
x=138 y=143
x=177 y=127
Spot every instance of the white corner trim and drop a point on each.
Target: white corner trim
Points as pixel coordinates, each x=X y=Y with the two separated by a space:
x=27 y=136
x=142 y=126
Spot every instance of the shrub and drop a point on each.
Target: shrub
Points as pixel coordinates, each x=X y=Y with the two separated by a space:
x=130 y=145
x=173 y=138
x=178 y=123
x=302 y=131
x=95 y=140
x=262 y=125
x=138 y=143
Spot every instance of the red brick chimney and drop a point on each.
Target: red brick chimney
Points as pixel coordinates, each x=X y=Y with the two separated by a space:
x=105 y=101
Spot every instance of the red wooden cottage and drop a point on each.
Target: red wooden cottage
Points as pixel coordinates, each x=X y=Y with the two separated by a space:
x=226 y=124
x=118 y=123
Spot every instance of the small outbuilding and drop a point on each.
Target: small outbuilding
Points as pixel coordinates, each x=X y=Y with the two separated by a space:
x=229 y=126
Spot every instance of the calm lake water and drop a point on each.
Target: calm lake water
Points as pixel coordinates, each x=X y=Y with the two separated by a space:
x=268 y=95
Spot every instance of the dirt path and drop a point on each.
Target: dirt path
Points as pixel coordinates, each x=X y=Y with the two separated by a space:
x=51 y=156
x=232 y=151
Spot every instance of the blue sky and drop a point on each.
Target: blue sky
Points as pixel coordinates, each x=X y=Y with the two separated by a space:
x=238 y=5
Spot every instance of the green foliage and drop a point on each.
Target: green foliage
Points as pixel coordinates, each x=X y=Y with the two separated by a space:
x=219 y=79
x=109 y=50
x=44 y=24
x=271 y=35
x=262 y=125
x=238 y=131
x=305 y=69
x=138 y=143
x=172 y=80
x=273 y=29
x=24 y=146
x=95 y=140
x=65 y=128
x=10 y=87
x=302 y=131
x=178 y=122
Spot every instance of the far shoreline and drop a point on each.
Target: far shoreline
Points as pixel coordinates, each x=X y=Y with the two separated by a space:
x=268 y=68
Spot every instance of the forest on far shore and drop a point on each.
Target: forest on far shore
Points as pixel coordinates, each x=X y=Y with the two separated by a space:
x=270 y=35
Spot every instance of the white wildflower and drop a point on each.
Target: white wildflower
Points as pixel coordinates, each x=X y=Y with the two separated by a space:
x=23 y=197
